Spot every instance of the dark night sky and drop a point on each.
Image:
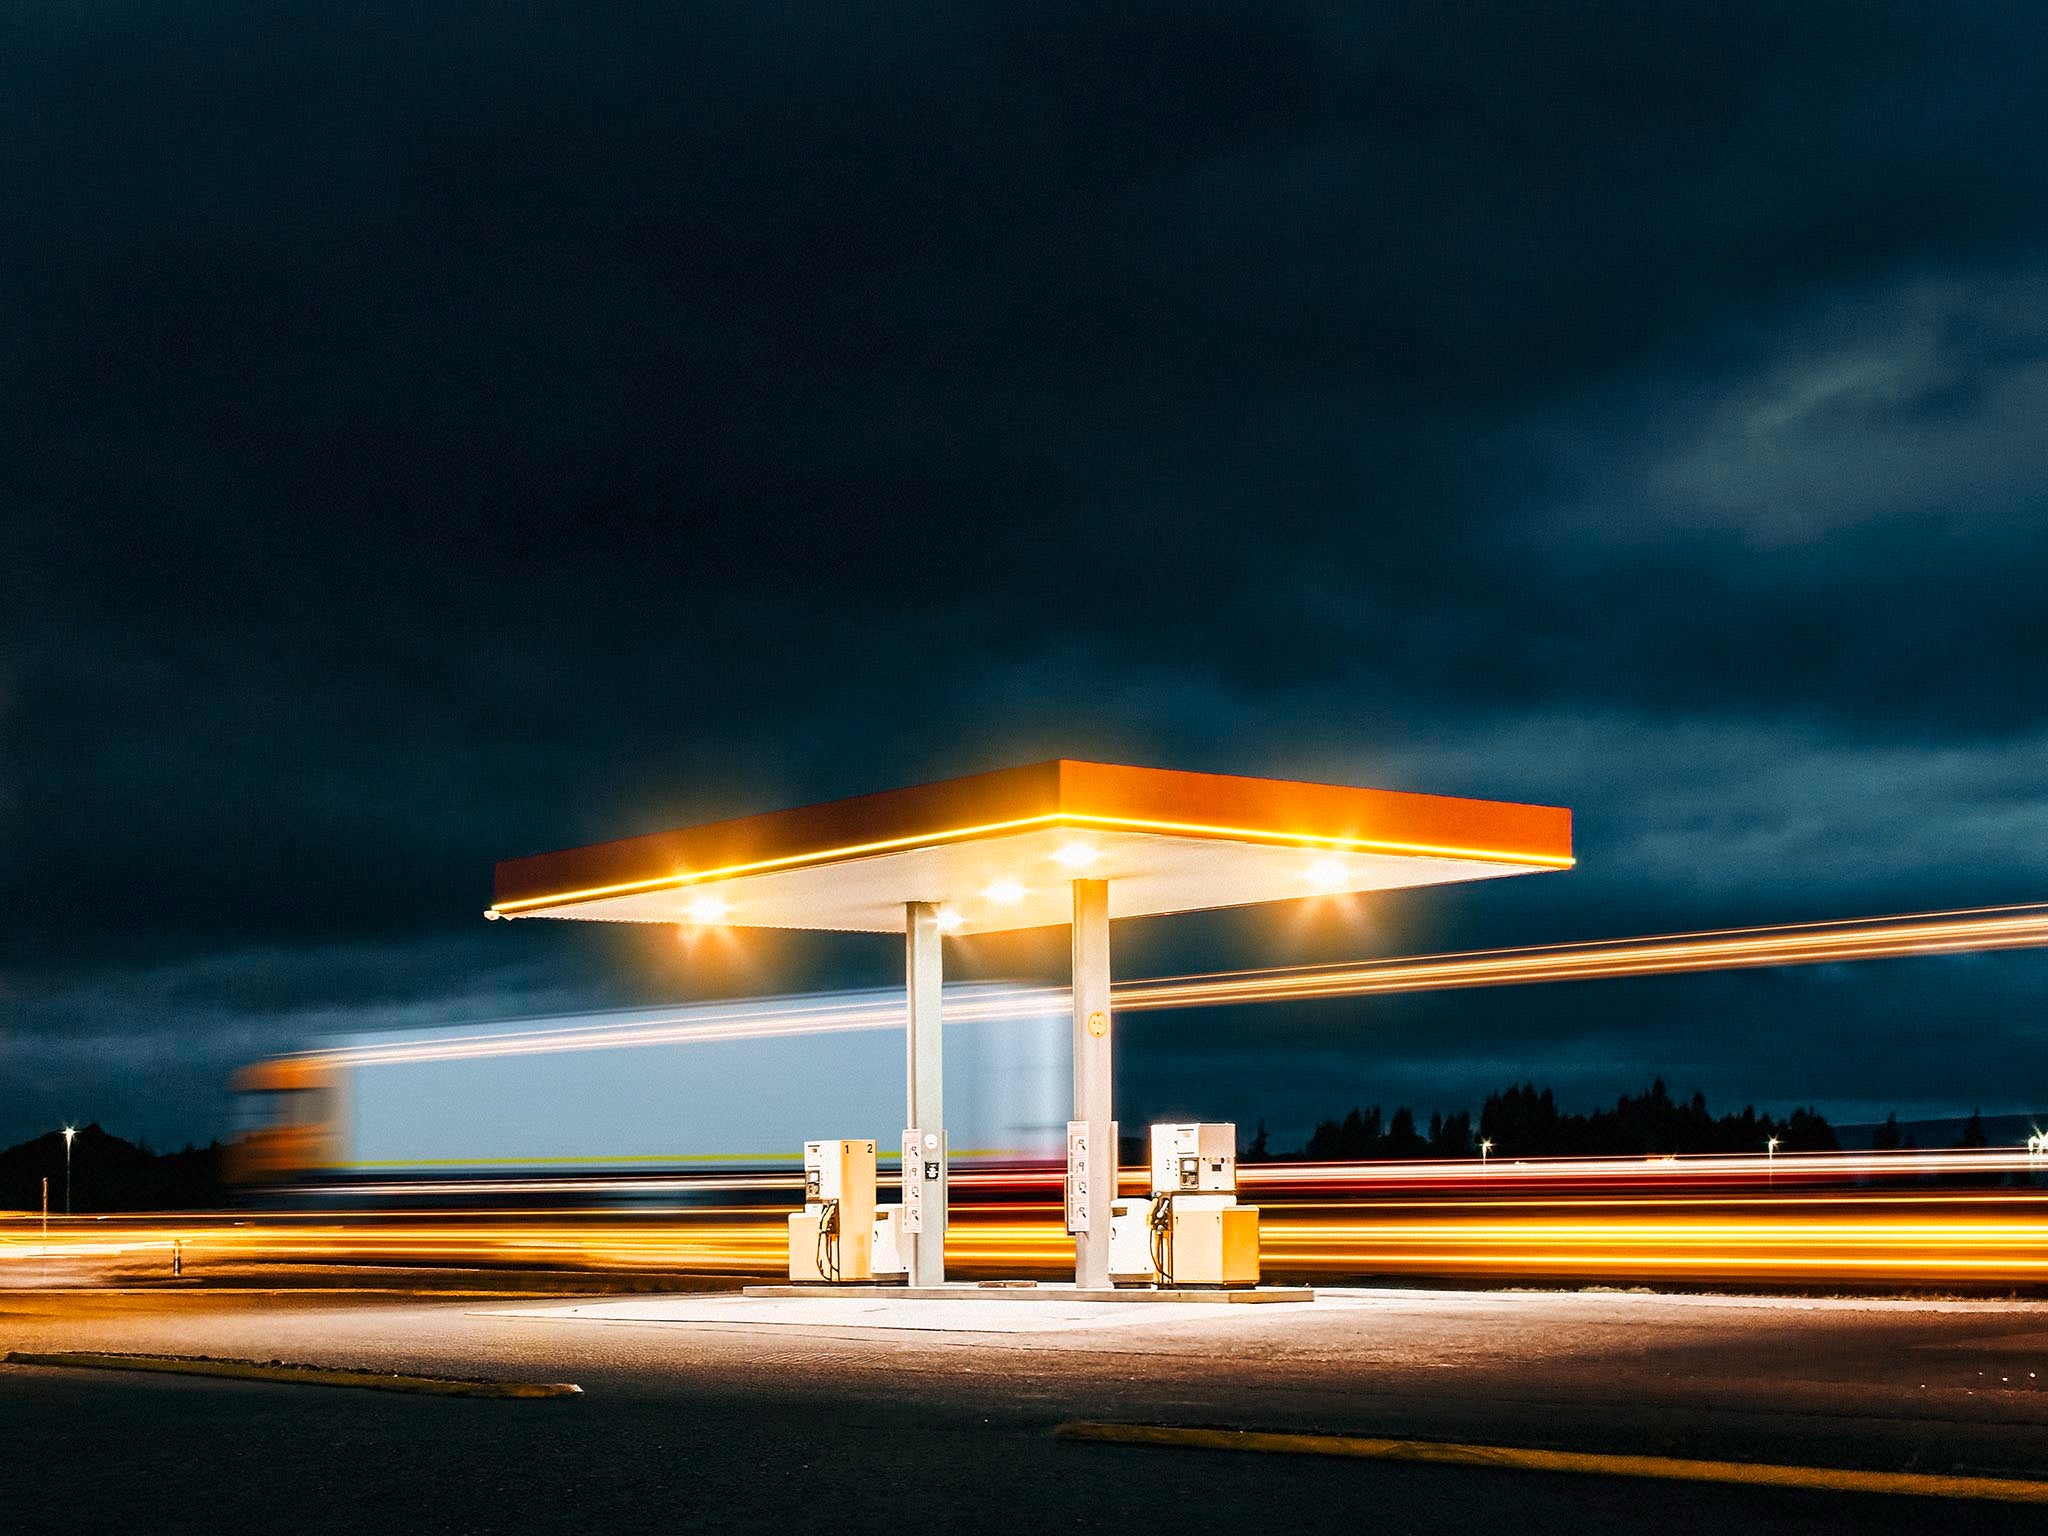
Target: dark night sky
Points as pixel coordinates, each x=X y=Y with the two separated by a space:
x=439 y=433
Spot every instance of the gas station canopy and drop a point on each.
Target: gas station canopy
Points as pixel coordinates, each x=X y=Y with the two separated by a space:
x=1054 y=843
x=1002 y=850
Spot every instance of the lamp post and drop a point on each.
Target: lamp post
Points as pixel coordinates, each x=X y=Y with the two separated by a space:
x=1485 y=1146
x=1771 y=1159
x=70 y=1132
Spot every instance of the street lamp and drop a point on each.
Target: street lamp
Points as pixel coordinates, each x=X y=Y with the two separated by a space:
x=70 y=1132
x=1485 y=1146
x=1771 y=1159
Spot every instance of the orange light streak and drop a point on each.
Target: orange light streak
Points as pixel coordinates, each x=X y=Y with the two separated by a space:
x=1676 y=1221
x=1926 y=933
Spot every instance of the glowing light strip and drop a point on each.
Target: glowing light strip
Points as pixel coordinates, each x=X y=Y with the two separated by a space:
x=758 y=866
x=1331 y=840
x=1048 y=819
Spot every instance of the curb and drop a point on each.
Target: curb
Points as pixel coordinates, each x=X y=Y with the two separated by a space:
x=301 y=1375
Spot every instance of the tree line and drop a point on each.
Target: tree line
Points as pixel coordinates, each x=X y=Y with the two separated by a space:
x=108 y=1173
x=1522 y=1120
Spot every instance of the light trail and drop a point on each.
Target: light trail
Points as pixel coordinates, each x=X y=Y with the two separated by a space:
x=689 y=1024
x=1963 y=1218
x=2008 y=1243
x=1791 y=1168
x=1501 y=1176
x=1877 y=938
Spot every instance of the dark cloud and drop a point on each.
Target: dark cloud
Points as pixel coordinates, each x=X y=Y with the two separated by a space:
x=438 y=438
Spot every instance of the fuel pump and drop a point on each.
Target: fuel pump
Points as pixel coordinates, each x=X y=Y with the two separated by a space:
x=1190 y=1231
x=832 y=1238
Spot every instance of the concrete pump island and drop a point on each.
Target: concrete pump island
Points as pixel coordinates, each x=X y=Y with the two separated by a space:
x=1059 y=842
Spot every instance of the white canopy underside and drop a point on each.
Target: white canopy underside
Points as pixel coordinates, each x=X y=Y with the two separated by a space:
x=1024 y=880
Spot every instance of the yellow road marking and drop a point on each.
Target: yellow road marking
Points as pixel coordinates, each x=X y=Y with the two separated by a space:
x=303 y=1375
x=1830 y=1479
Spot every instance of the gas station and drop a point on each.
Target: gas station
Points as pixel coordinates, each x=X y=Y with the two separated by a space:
x=1061 y=842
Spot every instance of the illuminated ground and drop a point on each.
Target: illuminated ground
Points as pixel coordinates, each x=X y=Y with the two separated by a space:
x=822 y=1423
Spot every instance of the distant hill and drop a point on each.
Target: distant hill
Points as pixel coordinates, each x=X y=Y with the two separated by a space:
x=108 y=1174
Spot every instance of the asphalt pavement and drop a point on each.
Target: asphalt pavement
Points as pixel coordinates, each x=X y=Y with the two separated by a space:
x=733 y=1416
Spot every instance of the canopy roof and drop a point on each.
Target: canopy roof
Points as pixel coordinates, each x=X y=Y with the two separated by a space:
x=1000 y=850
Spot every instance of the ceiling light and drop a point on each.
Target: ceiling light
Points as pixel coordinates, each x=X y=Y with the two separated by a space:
x=950 y=921
x=1329 y=875
x=1005 y=891
x=1076 y=855
x=708 y=909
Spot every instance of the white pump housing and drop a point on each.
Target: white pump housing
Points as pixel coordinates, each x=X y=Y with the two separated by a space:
x=1194 y=1159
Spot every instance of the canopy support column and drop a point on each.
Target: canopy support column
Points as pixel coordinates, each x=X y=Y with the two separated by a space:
x=925 y=1164
x=1094 y=1106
